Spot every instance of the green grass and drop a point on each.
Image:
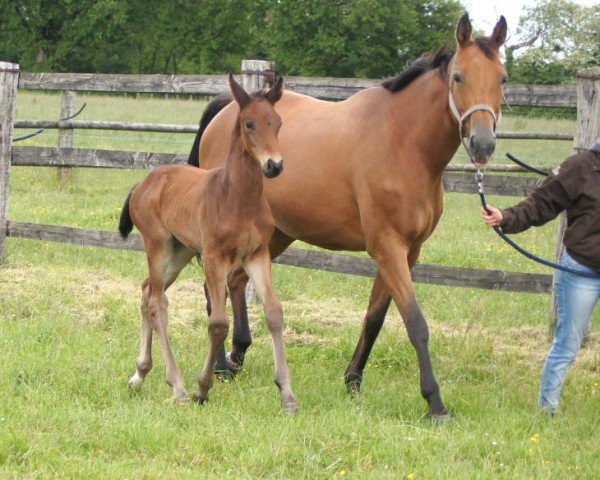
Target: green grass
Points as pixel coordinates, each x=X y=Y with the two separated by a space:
x=69 y=321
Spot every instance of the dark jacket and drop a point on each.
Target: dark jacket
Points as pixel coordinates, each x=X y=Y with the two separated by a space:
x=574 y=187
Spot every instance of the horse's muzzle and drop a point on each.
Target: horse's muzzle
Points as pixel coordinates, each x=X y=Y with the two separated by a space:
x=481 y=147
x=271 y=168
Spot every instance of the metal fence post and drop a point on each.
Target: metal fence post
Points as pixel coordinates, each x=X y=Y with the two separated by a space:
x=9 y=78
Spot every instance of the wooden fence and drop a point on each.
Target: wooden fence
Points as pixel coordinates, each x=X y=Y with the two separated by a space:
x=256 y=74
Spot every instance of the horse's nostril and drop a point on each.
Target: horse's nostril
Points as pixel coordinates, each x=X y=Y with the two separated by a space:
x=471 y=142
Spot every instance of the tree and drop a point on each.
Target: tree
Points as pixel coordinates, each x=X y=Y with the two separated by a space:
x=567 y=39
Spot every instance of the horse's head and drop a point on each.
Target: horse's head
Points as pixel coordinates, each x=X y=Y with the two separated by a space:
x=476 y=79
x=259 y=125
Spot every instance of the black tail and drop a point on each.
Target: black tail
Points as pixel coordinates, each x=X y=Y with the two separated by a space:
x=125 y=223
x=211 y=110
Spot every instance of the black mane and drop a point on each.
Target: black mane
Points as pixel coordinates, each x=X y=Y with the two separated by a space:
x=427 y=62
x=439 y=59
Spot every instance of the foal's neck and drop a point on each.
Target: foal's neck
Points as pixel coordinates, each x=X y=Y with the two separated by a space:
x=241 y=174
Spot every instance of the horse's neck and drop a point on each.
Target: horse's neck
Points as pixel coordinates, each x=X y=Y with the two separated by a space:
x=241 y=176
x=425 y=104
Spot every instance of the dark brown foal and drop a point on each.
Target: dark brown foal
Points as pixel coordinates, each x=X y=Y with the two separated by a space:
x=181 y=211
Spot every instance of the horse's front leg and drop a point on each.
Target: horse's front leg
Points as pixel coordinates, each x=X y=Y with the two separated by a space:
x=379 y=303
x=258 y=269
x=215 y=270
x=237 y=280
x=393 y=263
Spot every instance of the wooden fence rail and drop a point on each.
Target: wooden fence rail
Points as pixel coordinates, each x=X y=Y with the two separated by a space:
x=321 y=87
x=174 y=128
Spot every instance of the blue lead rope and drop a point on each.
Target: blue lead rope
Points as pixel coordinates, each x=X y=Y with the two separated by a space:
x=518 y=248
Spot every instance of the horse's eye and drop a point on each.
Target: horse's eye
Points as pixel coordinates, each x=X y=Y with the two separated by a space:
x=457 y=77
x=504 y=79
x=249 y=124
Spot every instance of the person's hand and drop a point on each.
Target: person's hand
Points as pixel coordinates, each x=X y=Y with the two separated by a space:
x=493 y=218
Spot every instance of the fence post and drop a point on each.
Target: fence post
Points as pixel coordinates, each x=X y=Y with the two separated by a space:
x=588 y=130
x=9 y=78
x=256 y=74
x=65 y=135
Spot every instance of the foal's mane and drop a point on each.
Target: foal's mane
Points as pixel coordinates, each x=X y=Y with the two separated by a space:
x=430 y=61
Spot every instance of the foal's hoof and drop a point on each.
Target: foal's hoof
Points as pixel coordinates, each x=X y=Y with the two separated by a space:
x=200 y=398
x=135 y=382
x=439 y=420
x=290 y=408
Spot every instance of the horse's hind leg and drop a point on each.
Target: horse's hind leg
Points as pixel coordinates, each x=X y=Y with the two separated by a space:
x=379 y=303
x=259 y=270
x=144 y=360
x=165 y=261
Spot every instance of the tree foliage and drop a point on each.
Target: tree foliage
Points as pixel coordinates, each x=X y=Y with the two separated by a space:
x=342 y=38
x=568 y=38
x=368 y=38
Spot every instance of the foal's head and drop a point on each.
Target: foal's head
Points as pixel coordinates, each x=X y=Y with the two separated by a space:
x=259 y=125
x=476 y=78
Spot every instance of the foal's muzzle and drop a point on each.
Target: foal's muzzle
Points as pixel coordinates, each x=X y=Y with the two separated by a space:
x=271 y=168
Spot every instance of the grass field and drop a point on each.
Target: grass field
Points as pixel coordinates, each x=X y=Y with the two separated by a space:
x=69 y=338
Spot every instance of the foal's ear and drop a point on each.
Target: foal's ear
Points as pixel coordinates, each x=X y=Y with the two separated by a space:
x=463 y=31
x=239 y=94
x=274 y=94
x=498 y=36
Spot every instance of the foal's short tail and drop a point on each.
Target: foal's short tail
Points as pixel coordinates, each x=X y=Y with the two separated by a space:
x=125 y=223
x=211 y=110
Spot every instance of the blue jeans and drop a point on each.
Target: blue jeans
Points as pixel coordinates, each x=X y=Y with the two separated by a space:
x=576 y=297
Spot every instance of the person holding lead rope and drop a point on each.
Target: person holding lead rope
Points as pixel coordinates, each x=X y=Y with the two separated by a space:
x=573 y=187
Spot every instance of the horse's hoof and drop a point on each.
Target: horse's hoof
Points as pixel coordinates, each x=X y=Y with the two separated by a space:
x=233 y=366
x=224 y=375
x=353 y=382
x=228 y=370
x=439 y=420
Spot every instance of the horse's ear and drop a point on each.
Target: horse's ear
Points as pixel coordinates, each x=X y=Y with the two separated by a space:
x=464 y=30
x=238 y=93
x=274 y=94
x=498 y=36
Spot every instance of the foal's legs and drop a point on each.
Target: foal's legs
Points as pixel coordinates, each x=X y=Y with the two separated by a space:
x=259 y=271
x=393 y=264
x=242 y=339
x=379 y=303
x=215 y=271
x=166 y=259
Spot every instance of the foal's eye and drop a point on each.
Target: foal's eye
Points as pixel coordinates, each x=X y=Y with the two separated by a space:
x=504 y=79
x=457 y=77
x=249 y=124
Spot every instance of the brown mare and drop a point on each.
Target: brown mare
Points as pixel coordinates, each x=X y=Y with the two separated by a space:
x=181 y=211
x=366 y=174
